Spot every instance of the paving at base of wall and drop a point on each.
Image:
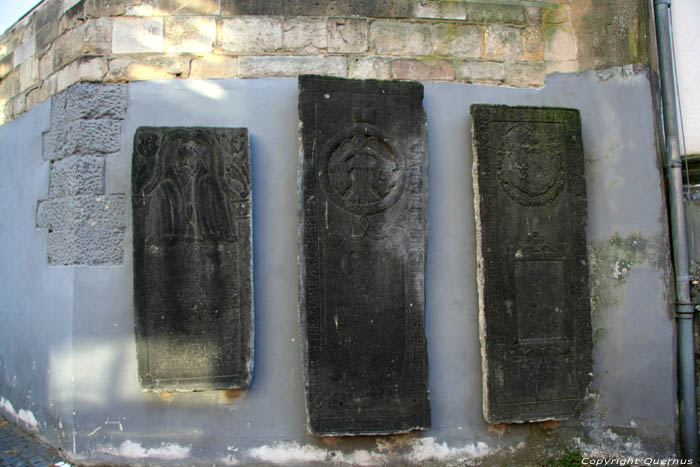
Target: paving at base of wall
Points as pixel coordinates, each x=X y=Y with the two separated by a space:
x=21 y=448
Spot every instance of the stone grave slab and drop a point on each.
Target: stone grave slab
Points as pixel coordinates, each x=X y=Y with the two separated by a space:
x=192 y=258
x=534 y=310
x=363 y=189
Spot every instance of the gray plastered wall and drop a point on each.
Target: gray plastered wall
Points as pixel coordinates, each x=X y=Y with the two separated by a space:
x=67 y=349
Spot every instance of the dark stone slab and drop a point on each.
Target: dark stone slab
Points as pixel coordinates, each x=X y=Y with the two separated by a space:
x=530 y=202
x=192 y=258
x=363 y=225
x=372 y=8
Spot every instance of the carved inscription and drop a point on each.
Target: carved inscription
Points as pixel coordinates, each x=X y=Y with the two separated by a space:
x=530 y=201
x=363 y=218
x=192 y=258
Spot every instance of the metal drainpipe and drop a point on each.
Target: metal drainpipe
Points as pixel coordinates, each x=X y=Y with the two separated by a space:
x=685 y=310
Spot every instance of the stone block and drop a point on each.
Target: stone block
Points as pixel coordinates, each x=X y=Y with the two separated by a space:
x=525 y=74
x=457 y=40
x=47 y=13
x=28 y=74
x=105 y=8
x=92 y=68
x=93 y=37
x=193 y=266
x=6 y=66
x=24 y=52
x=87 y=101
x=440 y=9
x=48 y=87
x=400 y=38
x=32 y=98
x=77 y=175
x=68 y=76
x=533 y=15
x=18 y=105
x=481 y=72
x=560 y=43
x=363 y=188
x=147 y=67
x=304 y=36
x=139 y=10
x=251 y=34
x=556 y=14
x=256 y=67
x=92 y=246
x=82 y=137
x=495 y=13
x=75 y=213
x=213 y=66
x=533 y=43
x=534 y=302
x=348 y=35
x=562 y=67
x=189 y=34
x=319 y=8
x=73 y=17
x=137 y=35
x=186 y=7
x=369 y=67
x=45 y=37
x=9 y=86
x=503 y=42
x=428 y=69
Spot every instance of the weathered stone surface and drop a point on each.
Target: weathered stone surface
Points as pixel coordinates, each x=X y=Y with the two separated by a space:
x=363 y=220
x=503 y=42
x=93 y=37
x=77 y=175
x=560 y=45
x=81 y=137
x=186 y=7
x=305 y=36
x=397 y=38
x=256 y=67
x=24 y=52
x=455 y=40
x=75 y=213
x=347 y=35
x=440 y=9
x=189 y=34
x=85 y=119
x=192 y=258
x=374 y=8
x=28 y=74
x=84 y=229
x=214 y=66
x=251 y=34
x=525 y=74
x=422 y=69
x=134 y=68
x=369 y=67
x=495 y=13
x=137 y=35
x=6 y=66
x=534 y=316
x=478 y=71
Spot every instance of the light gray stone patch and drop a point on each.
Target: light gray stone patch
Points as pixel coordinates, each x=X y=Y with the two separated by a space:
x=83 y=137
x=78 y=212
x=86 y=226
x=77 y=175
x=89 y=101
x=93 y=246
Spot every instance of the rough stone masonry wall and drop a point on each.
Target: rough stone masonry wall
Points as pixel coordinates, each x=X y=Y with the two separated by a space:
x=509 y=42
